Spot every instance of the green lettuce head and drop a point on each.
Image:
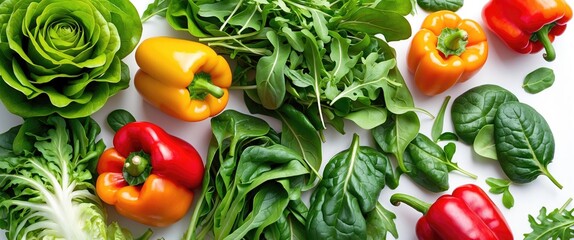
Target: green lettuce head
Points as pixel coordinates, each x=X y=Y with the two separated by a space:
x=64 y=57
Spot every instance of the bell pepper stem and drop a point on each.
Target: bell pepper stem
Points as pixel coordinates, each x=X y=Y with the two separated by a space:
x=201 y=86
x=137 y=168
x=413 y=202
x=452 y=41
x=542 y=36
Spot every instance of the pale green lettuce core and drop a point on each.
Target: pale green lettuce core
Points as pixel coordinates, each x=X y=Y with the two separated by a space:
x=58 y=57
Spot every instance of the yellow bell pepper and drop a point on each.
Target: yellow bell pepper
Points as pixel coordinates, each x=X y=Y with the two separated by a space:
x=185 y=79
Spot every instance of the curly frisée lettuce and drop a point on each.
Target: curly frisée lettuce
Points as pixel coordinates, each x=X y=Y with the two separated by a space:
x=62 y=57
x=46 y=182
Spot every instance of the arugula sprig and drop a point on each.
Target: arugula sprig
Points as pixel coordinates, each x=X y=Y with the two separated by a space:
x=557 y=224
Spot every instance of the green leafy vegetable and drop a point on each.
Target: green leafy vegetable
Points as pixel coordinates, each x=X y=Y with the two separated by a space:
x=501 y=186
x=48 y=191
x=158 y=7
x=118 y=118
x=394 y=136
x=428 y=164
x=438 y=123
x=380 y=222
x=557 y=224
x=476 y=108
x=347 y=194
x=524 y=142
x=484 y=144
x=253 y=183
x=57 y=57
x=538 y=80
x=437 y=5
x=328 y=59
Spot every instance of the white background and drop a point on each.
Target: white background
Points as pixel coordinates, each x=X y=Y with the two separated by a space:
x=504 y=67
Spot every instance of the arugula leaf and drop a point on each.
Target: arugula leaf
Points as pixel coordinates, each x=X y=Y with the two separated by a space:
x=501 y=186
x=380 y=222
x=270 y=77
x=557 y=224
x=158 y=7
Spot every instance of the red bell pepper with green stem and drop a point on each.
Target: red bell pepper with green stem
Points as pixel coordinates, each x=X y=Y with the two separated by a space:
x=527 y=26
x=468 y=213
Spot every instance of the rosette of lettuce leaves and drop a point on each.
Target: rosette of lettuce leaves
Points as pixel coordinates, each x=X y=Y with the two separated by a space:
x=64 y=57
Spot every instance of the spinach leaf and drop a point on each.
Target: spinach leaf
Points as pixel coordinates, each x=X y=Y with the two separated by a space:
x=270 y=78
x=425 y=164
x=300 y=135
x=351 y=184
x=476 y=108
x=524 y=143
x=394 y=136
x=118 y=118
x=375 y=21
x=437 y=5
x=538 y=80
x=428 y=164
x=268 y=206
x=236 y=126
x=369 y=117
x=484 y=144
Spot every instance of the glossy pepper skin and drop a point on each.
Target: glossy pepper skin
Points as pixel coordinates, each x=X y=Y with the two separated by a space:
x=185 y=79
x=445 y=51
x=467 y=213
x=166 y=169
x=528 y=26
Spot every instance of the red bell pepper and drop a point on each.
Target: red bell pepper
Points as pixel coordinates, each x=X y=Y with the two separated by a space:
x=527 y=26
x=149 y=175
x=467 y=213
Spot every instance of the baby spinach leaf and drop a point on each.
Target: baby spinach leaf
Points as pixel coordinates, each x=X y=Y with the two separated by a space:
x=369 y=117
x=538 y=80
x=118 y=118
x=428 y=164
x=269 y=76
x=350 y=188
x=395 y=135
x=437 y=5
x=398 y=97
x=235 y=125
x=484 y=144
x=300 y=135
x=375 y=21
x=268 y=206
x=399 y=6
x=475 y=108
x=425 y=164
x=524 y=143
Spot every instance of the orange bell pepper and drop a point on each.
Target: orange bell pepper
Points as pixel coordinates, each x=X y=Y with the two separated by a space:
x=445 y=51
x=185 y=79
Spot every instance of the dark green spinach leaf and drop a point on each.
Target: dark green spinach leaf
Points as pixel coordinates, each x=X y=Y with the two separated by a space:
x=476 y=108
x=350 y=188
x=118 y=118
x=394 y=136
x=538 y=80
x=437 y=5
x=524 y=142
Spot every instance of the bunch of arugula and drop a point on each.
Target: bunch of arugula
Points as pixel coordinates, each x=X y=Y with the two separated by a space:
x=329 y=59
